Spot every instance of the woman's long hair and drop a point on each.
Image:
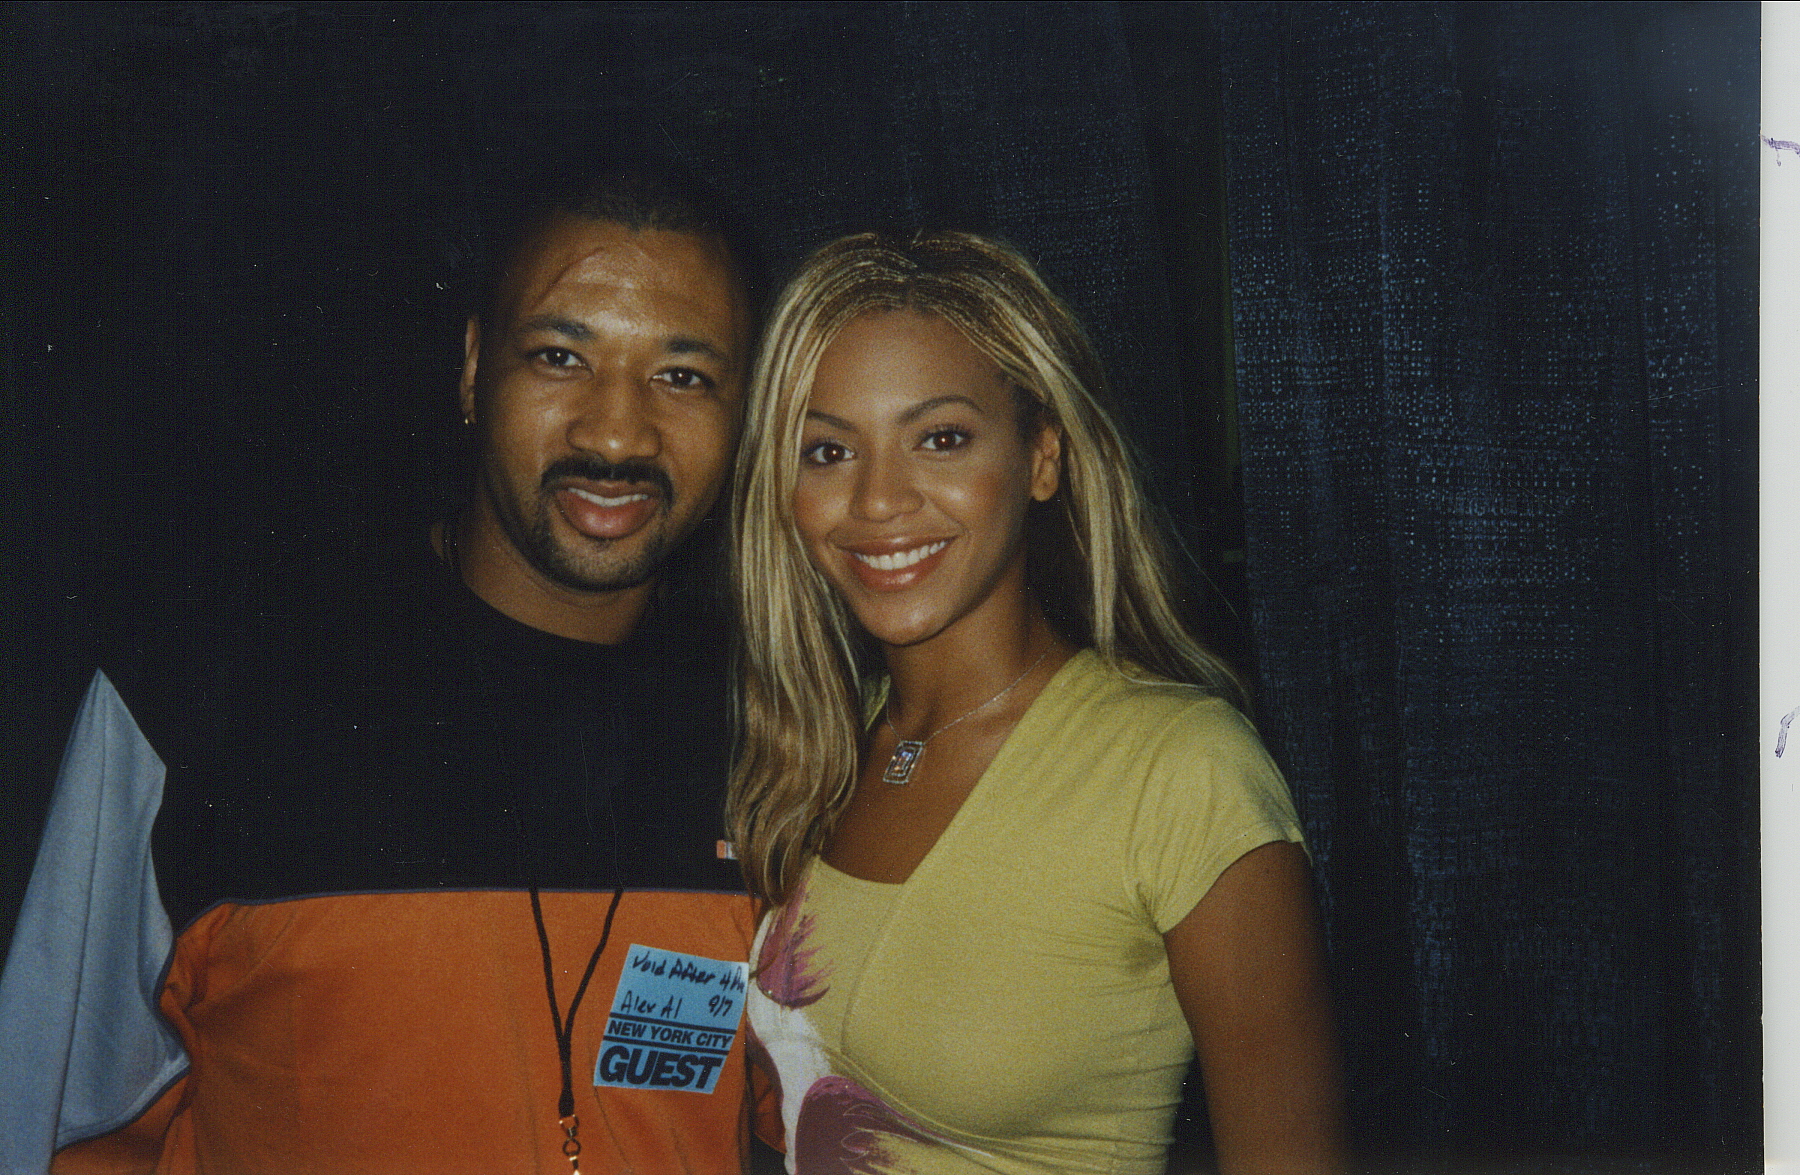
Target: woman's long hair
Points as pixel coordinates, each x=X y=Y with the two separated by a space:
x=1095 y=560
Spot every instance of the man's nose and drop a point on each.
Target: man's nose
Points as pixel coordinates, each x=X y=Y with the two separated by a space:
x=884 y=490
x=616 y=422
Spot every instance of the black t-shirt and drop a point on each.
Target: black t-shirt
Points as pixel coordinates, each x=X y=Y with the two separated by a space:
x=387 y=730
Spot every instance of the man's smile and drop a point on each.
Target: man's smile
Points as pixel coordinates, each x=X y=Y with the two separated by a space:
x=602 y=500
x=607 y=510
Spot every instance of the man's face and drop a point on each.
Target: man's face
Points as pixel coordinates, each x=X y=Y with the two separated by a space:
x=605 y=390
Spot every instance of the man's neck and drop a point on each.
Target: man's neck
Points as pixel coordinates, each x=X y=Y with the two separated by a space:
x=501 y=577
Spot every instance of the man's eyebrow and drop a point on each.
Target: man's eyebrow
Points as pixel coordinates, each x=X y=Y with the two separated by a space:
x=932 y=405
x=580 y=332
x=686 y=345
x=569 y=328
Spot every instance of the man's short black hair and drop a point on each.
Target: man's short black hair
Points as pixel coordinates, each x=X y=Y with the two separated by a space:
x=639 y=193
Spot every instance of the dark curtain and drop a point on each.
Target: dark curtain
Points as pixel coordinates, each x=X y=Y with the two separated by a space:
x=1493 y=279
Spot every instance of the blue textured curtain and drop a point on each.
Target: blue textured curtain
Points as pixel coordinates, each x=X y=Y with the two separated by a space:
x=1493 y=279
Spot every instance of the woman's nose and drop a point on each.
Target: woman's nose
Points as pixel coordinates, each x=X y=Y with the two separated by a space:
x=885 y=490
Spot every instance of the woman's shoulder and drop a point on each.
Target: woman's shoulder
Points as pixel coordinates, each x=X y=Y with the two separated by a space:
x=1121 y=698
x=1123 y=722
x=1176 y=775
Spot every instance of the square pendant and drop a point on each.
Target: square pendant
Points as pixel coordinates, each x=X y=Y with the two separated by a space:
x=907 y=754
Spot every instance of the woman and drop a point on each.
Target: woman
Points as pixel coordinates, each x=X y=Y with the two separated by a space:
x=1023 y=855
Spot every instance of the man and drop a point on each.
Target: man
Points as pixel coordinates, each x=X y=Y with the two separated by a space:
x=441 y=846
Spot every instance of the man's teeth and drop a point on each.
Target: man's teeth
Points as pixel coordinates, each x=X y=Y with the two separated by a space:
x=901 y=559
x=603 y=500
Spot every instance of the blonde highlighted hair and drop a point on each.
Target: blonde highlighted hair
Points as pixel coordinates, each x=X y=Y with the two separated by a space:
x=1096 y=561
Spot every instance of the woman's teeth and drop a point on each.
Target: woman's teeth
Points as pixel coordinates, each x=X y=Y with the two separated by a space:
x=902 y=559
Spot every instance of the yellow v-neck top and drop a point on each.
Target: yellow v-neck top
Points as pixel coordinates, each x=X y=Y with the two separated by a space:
x=1008 y=1007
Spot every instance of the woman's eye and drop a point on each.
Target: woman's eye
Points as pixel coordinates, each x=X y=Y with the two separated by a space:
x=943 y=439
x=824 y=453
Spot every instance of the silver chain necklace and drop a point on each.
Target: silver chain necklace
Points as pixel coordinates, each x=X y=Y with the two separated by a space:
x=908 y=751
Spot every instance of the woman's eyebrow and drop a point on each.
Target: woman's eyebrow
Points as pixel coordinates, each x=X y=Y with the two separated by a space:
x=829 y=420
x=932 y=405
x=907 y=417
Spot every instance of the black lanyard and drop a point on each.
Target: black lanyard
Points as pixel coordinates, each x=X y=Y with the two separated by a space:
x=565 y=1030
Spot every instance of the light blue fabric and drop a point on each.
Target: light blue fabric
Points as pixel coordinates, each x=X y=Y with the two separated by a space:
x=83 y=1049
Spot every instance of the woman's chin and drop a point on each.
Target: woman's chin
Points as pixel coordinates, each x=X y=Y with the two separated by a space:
x=900 y=638
x=899 y=631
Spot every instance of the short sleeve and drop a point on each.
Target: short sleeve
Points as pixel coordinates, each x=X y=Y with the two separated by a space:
x=1211 y=794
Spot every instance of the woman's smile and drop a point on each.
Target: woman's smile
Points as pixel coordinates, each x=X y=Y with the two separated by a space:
x=890 y=570
x=902 y=559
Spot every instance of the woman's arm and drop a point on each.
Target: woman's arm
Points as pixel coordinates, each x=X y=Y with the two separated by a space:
x=1248 y=969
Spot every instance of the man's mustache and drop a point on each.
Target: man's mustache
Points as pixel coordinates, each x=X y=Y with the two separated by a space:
x=593 y=469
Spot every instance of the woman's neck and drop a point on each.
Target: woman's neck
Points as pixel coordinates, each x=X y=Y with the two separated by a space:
x=944 y=679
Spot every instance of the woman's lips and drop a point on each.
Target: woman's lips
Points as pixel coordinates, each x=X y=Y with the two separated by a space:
x=892 y=569
x=608 y=512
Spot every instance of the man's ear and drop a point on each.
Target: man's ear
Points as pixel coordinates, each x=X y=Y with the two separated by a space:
x=1046 y=462
x=471 y=353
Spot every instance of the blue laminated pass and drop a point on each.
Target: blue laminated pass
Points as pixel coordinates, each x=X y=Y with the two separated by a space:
x=673 y=1019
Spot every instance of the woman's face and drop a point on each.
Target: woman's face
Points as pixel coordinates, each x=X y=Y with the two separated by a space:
x=914 y=479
